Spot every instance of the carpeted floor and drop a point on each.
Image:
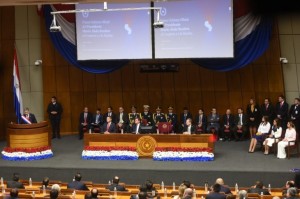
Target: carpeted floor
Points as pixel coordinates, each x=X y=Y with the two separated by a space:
x=232 y=162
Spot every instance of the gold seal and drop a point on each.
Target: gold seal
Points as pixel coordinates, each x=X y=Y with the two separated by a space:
x=146 y=146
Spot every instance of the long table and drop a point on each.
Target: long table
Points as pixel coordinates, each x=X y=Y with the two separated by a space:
x=146 y=143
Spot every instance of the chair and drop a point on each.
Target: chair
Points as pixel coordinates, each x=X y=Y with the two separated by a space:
x=164 y=127
x=292 y=145
x=199 y=130
x=144 y=122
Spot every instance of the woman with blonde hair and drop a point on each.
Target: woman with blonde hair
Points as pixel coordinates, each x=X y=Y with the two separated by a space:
x=290 y=135
x=181 y=190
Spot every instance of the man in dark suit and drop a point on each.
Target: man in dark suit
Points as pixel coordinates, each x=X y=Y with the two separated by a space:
x=294 y=113
x=259 y=189
x=267 y=109
x=215 y=194
x=213 y=123
x=54 y=111
x=109 y=127
x=77 y=184
x=122 y=121
x=184 y=116
x=133 y=115
x=225 y=189
x=111 y=114
x=281 y=111
x=200 y=122
x=240 y=129
x=15 y=182
x=159 y=117
x=28 y=117
x=188 y=128
x=172 y=118
x=228 y=126
x=85 y=120
x=136 y=127
x=97 y=120
x=116 y=185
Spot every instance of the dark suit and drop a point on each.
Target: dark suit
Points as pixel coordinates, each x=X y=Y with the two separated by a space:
x=268 y=111
x=77 y=185
x=259 y=191
x=253 y=114
x=132 y=117
x=125 y=118
x=294 y=115
x=159 y=118
x=134 y=128
x=31 y=118
x=214 y=195
x=184 y=117
x=148 y=118
x=203 y=122
x=172 y=118
x=88 y=120
x=117 y=186
x=113 y=117
x=242 y=135
x=185 y=129
x=213 y=122
x=14 y=184
x=227 y=120
x=55 y=118
x=97 y=121
x=282 y=111
x=112 y=128
x=225 y=189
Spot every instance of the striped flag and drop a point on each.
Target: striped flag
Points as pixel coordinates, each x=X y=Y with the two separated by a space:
x=18 y=104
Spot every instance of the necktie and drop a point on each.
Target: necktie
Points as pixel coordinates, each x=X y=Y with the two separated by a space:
x=97 y=119
x=281 y=104
x=200 y=119
x=27 y=116
x=108 y=125
x=85 y=116
x=228 y=120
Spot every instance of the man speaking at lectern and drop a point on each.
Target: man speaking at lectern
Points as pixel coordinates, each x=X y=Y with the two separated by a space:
x=27 y=117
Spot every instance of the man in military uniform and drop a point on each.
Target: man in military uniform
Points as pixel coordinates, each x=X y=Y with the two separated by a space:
x=133 y=115
x=147 y=119
x=159 y=117
x=172 y=119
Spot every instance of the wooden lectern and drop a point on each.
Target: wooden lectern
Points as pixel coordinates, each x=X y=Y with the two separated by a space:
x=28 y=135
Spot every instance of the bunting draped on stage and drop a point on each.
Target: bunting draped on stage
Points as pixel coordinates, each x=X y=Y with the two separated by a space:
x=251 y=39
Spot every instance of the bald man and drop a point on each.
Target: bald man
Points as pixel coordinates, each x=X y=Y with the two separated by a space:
x=224 y=188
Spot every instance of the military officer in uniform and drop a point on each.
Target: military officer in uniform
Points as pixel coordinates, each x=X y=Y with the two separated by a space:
x=172 y=119
x=159 y=117
x=133 y=115
x=147 y=119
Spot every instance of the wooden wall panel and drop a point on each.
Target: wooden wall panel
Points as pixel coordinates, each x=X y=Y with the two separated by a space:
x=207 y=80
x=260 y=78
x=62 y=79
x=220 y=77
x=116 y=99
x=102 y=82
x=234 y=81
x=48 y=53
x=235 y=101
x=275 y=79
x=193 y=78
x=67 y=110
x=222 y=101
x=140 y=79
x=89 y=82
x=103 y=100
x=128 y=81
x=208 y=101
x=247 y=79
x=76 y=84
x=115 y=81
x=77 y=104
x=129 y=100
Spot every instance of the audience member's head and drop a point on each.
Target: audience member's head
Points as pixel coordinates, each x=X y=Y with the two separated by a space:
x=56 y=187
x=116 y=180
x=94 y=193
x=259 y=184
x=187 y=183
x=54 y=193
x=143 y=188
x=289 y=184
x=77 y=177
x=181 y=190
x=45 y=181
x=242 y=194
x=188 y=193
x=291 y=192
x=276 y=197
x=216 y=188
x=14 y=193
x=88 y=196
x=149 y=185
x=220 y=181
x=16 y=177
x=142 y=195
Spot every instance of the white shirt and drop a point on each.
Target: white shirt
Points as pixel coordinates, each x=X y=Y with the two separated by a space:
x=137 y=129
x=264 y=128
x=121 y=118
x=277 y=134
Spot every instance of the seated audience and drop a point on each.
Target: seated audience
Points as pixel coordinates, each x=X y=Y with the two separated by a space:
x=14 y=193
x=122 y=121
x=133 y=115
x=109 y=127
x=28 y=117
x=147 y=119
x=56 y=187
x=88 y=195
x=149 y=186
x=85 y=120
x=76 y=184
x=228 y=125
x=187 y=184
x=111 y=114
x=188 y=129
x=143 y=195
x=184 y=116
x=181 y=190
x=213 y=122
x=262 y=132
x=224 y=188
x=288 y=185
x=136 y=127
x=259 y=189
x=274 y=136
x=240 y=129
x=54 y=194
x=97 y=121
x=292 y=193
x=159 y=117
x=188 y=193
x=142 y=188
x=45 y=183
x=215 y=194
x=116 y=185
x=15 y=182
x=253 y=114
x=242 y=194
x=200 y=122
x=290 y=135
x=94 y=193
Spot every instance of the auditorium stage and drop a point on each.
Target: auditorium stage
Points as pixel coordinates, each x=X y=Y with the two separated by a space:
x=232 y=162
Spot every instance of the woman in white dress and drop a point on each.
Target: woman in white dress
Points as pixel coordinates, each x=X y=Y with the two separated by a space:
x=276 y=131
x=290 y=135
x=263 y=130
